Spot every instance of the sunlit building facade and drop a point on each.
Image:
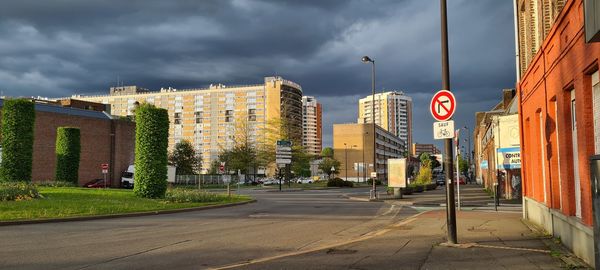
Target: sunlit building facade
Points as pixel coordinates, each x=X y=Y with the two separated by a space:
x=211 y=118
x=312 y=125
x=393 y=112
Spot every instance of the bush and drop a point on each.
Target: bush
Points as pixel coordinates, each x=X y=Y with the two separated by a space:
x=424 y=177
x=18 y=191
x=151 y=142
x=339 y=182
x=68 y=150
x=178 y=195
x=377 y=182
x=18 y=117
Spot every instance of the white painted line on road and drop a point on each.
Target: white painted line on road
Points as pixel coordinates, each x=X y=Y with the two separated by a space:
x=296 y=253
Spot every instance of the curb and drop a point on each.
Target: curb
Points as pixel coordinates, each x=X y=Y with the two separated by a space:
x=134 y=214
x=285 y=190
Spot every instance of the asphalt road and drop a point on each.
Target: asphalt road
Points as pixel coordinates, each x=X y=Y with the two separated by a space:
x=279 y=225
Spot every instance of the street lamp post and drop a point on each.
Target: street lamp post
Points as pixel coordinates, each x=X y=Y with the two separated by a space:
x=367 y=59
x=469 y=137
x=346 y=157
x=364 y=168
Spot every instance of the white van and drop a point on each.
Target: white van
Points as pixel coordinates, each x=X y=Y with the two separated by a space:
x=127 y=177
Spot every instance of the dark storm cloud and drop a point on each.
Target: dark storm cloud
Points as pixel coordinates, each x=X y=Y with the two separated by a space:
x=58 y=48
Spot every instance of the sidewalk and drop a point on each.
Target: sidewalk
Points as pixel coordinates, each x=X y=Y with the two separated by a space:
x=472 y=197
x=488 y=240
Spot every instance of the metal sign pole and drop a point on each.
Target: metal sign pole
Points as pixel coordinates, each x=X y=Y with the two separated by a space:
x=457 y=174
x=450 y=207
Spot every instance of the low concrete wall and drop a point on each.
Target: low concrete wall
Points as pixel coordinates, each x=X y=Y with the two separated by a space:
x=578 y=237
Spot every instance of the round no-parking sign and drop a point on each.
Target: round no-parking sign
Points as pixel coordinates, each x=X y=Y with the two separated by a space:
x=443 y=105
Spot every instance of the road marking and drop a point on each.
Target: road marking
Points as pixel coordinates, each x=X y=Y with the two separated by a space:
x=296 y=253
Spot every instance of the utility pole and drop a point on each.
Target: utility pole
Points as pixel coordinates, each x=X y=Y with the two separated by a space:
x=450 y=206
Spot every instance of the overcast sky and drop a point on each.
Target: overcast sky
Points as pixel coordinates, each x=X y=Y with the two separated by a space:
x=58 y=48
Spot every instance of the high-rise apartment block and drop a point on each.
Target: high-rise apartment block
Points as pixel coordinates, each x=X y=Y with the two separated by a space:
x=393 y=112
x=211 y=118
x=312 y=125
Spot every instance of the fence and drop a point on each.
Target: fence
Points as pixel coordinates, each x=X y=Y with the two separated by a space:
x=203 y=180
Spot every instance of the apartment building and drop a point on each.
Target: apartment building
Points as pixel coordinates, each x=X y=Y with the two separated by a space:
x=312 y=125
x=558 y=93
x=211 y=118
x=393 y=112
x=353 y=147
x=419 y=148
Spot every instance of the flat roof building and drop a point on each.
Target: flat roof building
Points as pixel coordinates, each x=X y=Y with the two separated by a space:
x=210 y=118
x=353 y=147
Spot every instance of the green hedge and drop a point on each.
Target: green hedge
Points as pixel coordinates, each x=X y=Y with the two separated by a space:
x=339 y=182
x=151 y=142
x=18 y=119
x=68 y=150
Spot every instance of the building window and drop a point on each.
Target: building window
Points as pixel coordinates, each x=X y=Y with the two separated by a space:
x=251 y=111
x=228 y=119
x=198 y=116
x=229 y=112
x=177 y=118
x=251 y=117
x=596 y=110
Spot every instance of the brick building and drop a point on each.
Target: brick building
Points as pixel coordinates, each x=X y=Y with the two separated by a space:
x=559 y=107
x=419 y=148
x=103 y=140
x=496 y=147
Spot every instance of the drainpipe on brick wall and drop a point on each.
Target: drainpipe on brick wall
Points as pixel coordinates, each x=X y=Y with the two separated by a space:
x=517 y=54
x=111 y=166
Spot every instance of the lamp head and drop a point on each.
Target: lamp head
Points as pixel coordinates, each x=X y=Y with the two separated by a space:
x=366 y=59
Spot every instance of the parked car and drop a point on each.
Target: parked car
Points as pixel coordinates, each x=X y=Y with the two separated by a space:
x=304 y=180
x=440 y=180
x=96 y=183
x=270 y=181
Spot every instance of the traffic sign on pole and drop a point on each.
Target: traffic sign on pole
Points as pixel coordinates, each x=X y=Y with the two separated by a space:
x=443 y=130
x=443 y=105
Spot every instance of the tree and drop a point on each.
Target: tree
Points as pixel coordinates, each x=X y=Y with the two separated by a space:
x=434 y=162
x=18 y=119
x=68 y=151
x=184 y=157
x=151 y=155
x=327 y=152
x=327 y=164
x=301 y=161
x=425 y=160
x=463 y=164
x=243 y=155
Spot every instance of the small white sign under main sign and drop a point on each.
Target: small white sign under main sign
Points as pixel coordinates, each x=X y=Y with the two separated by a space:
x=443 y=130
x=283 y=161
x=373 y=174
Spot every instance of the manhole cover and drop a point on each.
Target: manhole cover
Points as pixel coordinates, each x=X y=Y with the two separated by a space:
x=340 y=251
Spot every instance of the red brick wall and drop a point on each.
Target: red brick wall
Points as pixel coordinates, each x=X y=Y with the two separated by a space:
x=124 y=149
x=564 y=62
x=95 y=146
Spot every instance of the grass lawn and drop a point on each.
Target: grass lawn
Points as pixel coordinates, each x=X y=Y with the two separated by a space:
x=61 y=202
